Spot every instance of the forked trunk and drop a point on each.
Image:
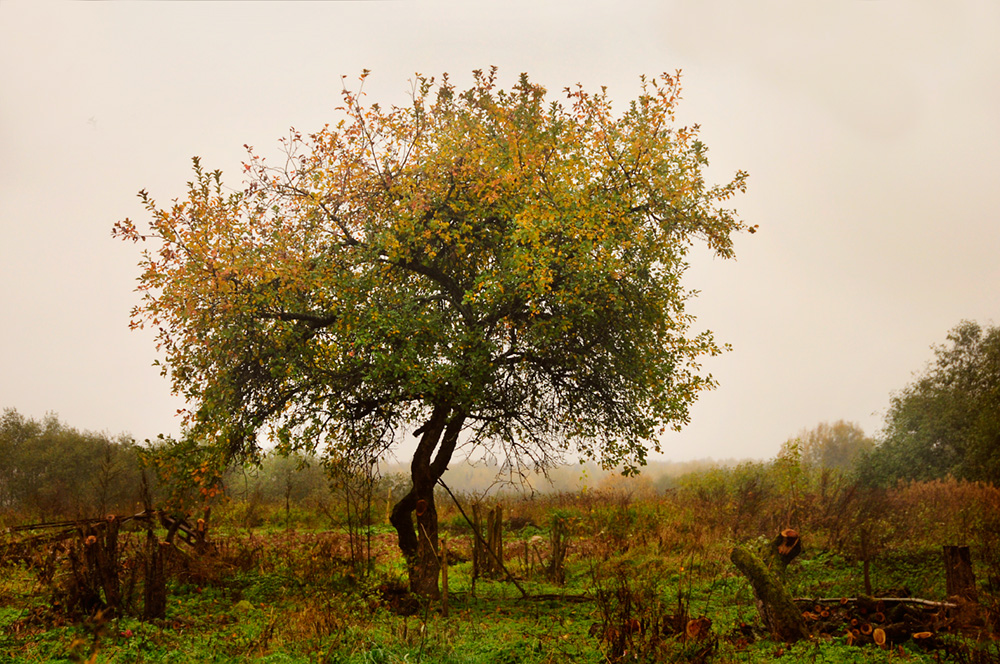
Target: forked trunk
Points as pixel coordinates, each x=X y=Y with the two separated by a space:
x=418 y=542
x=415 y=516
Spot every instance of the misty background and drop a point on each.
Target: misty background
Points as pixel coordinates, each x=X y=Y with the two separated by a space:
x=869 y=130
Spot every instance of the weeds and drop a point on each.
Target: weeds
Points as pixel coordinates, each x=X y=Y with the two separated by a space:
x=611 y=575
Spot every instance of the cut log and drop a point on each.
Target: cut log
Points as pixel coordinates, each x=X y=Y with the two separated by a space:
x=778 y=612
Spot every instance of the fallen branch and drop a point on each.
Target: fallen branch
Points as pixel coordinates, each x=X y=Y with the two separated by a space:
x=77 y=522
x=895 y=600
x=574 y=599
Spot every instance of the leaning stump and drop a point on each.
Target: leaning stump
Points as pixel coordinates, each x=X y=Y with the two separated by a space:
x=778 y=611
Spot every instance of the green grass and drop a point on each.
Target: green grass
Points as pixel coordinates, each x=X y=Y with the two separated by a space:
x=271 y=618
x=275 y=595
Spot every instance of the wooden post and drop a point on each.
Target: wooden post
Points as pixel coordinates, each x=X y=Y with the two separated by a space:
x=444 y=578
x=388 y=505
x=494 y=541
x=154 y=579
x=959 y=579
x=478 y=555
x=479 y=538
x=108 y=562
x=201 y=532
x=558 y=537
x=866 y=556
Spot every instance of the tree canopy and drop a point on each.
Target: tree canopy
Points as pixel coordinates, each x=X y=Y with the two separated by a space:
x=492 y=267
x=947 y=421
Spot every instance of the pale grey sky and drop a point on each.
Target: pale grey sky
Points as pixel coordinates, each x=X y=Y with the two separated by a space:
x=871 y=131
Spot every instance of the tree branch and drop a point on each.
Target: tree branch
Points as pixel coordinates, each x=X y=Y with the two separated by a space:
x=315 y=321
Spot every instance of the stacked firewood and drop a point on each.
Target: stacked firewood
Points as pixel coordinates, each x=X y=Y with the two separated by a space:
x=885 y=621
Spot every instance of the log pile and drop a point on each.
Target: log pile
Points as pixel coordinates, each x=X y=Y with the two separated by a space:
x=888 y=621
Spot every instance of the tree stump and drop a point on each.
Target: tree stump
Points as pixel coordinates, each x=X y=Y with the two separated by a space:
x=959 y=579
x=784 y=549
x=777 y=610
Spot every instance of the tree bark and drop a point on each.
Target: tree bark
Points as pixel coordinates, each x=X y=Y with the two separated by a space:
x=415 y=516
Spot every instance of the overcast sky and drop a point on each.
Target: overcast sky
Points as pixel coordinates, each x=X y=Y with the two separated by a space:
x=871 y=132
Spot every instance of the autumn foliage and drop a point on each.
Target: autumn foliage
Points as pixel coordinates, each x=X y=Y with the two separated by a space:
x=486 y=265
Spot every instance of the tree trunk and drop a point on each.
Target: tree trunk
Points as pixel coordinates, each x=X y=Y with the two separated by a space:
x=419 y=542
x=415 y=516
x=777 y=609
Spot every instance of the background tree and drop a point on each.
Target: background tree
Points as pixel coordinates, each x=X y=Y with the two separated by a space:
x=292 y=479
x=184 y=475
x=495 y=268
x=833 y=446
x=947 y=422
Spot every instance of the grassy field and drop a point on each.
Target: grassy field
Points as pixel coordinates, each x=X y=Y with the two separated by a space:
x=646 y=578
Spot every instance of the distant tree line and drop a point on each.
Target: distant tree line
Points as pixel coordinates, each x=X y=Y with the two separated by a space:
x=48 y=469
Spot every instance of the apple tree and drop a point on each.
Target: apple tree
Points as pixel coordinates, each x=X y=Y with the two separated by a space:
x=484 y=268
